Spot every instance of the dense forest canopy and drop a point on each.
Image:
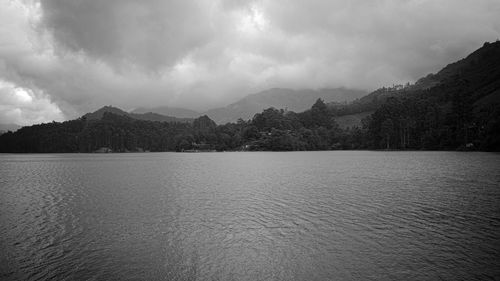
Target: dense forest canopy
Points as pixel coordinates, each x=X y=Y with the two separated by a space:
x=457 y=108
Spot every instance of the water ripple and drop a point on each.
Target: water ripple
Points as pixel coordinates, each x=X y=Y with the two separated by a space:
x=250 y=216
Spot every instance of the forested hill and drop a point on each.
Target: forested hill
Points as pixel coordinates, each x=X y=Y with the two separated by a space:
x=148 y=116
x=458 y=108
x=272 y=129
x=480 y=70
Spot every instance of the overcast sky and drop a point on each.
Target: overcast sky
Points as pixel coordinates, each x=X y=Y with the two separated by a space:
x=62 y=58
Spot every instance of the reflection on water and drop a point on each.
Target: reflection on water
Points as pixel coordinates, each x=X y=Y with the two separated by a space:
x=250 y=216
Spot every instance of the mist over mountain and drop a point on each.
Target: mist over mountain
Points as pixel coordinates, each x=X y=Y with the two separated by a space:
x=247 y=107
x=281 y=98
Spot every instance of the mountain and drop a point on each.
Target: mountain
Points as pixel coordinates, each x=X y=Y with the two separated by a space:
x=459 y=108
x=98 y=114
x=149 y=116
x=473 y=64
x=169 y=111
x=293 y=100
x=247 y=107
x=478 y=73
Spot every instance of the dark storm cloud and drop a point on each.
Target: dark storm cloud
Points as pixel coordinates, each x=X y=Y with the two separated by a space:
x=66 y=57
x=147 y=33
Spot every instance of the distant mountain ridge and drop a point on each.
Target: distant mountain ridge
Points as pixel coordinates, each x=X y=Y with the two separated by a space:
x=293 y=100
x=168 y=111
x=247 y=107
x=149 y=116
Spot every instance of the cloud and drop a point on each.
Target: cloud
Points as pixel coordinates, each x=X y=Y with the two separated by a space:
x=24 y=107
x=74 y=56
x=144 y=33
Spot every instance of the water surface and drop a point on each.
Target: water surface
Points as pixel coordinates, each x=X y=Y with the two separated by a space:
x=250 y=216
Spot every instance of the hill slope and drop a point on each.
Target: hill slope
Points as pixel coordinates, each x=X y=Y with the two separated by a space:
x=461 y=110
x=478 y=73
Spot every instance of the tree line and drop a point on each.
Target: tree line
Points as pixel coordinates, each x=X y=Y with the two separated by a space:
x=420 y=121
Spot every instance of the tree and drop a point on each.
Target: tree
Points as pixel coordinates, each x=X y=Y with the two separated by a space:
x=386 y=130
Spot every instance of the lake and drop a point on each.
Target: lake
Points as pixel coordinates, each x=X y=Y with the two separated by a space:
x=346 y=215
